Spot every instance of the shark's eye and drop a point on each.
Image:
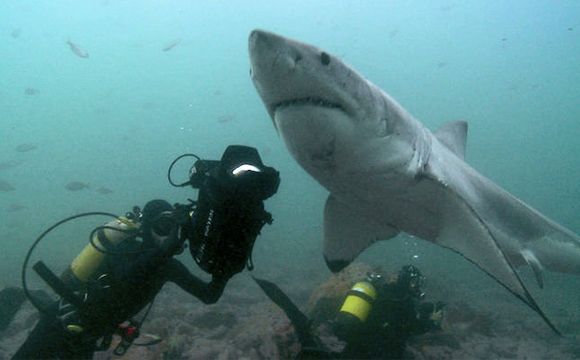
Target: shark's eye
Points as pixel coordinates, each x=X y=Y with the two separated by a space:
x=324 y=58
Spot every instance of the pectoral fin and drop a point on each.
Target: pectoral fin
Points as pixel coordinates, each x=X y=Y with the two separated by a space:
x=534 y=263
x=347 y=232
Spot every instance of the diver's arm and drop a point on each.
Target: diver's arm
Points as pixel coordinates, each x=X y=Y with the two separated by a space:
x=208 y=293
x=429 y=317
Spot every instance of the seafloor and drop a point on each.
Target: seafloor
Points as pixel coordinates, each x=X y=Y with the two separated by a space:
x=244 y=324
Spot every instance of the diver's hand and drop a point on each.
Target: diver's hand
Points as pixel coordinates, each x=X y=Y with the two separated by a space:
x=221 y=280
x=437 y=315
x=69 y=317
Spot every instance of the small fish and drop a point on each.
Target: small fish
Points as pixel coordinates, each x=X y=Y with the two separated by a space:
x=171 y=45
x=104 y=190
x=101 y=111
x=76 y=186
x=14 y=207
x=31 y=91
x=25 y=147
x=9 y=164
x=6 y=186
x=77 y=50
x=226 y=118
x=16 y=33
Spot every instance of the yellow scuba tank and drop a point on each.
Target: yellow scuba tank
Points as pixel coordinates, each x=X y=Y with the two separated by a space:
x=90 y=258
x=359 y=301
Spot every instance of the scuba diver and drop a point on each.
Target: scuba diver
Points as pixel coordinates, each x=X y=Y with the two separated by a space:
x=128 y=260
x=376 y=318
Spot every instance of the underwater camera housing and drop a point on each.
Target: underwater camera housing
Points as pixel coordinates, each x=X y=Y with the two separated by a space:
x=229 y=213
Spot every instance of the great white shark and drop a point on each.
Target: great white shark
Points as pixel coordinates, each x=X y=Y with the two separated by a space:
x=387 y=173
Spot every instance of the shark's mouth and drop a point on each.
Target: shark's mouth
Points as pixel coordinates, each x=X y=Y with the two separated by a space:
x=312 y=101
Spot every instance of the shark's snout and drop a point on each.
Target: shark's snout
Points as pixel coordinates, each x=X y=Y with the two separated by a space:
x=269 y=51
x=273 y=66
x=288 y=73
x=259 y=40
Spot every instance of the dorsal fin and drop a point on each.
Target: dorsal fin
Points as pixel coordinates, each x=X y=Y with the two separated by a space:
x=453 y=134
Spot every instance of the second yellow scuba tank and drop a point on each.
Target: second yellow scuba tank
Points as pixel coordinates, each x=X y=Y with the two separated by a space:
x=356 y=308
x=359 y=301
x=90 y=258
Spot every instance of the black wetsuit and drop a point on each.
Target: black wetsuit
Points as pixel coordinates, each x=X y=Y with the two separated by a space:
x=395 y=316
x=135 y=280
